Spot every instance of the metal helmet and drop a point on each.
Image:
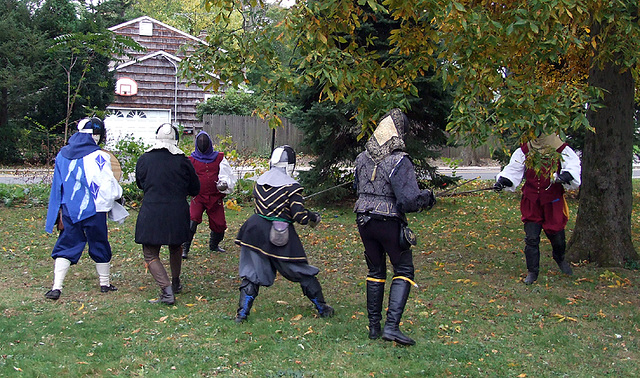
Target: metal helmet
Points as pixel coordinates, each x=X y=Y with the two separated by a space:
x=94 y=126
x=203 y=143
x=284 y=157
x=168 y=133
x=389 y=135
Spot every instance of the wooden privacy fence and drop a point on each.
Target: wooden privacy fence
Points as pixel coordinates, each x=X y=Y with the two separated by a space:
x=252 y=134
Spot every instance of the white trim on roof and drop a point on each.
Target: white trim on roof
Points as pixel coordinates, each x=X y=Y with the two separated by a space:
x=152 y=55
x=147 y=18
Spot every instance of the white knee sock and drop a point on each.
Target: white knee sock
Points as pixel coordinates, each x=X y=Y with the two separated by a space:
x=103 y=273
x=60 y=269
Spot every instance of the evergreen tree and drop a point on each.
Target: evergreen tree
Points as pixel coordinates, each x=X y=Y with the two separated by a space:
x=23 y=69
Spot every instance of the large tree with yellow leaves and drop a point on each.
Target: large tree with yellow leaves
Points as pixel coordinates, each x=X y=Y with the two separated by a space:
x=518 y=68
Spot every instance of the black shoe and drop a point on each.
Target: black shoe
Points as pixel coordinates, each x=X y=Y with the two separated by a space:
x=374 y=331
x=108 y=288
x=531 y=278
x=166 y=296
x=176 y=286
x=397 y=336
x=214 y=241
x=185 y=250
x=53 y=294
x=565 y=268
x=326 y=312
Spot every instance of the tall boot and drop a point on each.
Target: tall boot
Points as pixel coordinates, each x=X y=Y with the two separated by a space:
x=175 y=263
x=311 y=289
x=104 y=270
x=559 y=246
x=398 y=295
x=214 y=241
x=158 y=273
x=532 y=251
x=375 y=295
x=186 y=246
x=176 y=286
x=248 y=293
x=60 y=269
x=166 y=296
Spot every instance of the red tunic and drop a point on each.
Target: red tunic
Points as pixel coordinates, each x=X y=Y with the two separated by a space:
x=543 y=202
x=209 y=199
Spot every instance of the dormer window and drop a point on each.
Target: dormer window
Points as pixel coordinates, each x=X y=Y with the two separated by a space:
x=146 y=28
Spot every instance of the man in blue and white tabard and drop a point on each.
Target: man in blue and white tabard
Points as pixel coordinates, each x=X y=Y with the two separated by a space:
x=83 y=192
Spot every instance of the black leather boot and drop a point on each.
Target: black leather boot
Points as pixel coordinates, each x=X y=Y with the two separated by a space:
x=375 y=295
x=559 y=246
x=214 y=241
x=312 y=289
x=166 y=296
x=248 y=293
x=324 y=310
x=176 y=286
x=186 y=246
x=532 y=251
x=398 y=295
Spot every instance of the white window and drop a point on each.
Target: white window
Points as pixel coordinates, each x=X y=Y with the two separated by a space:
x=146 y=28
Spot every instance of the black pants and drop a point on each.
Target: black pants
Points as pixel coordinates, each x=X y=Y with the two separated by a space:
x=382 y=238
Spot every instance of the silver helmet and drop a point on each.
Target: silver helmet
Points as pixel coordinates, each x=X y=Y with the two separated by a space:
x=284 y=157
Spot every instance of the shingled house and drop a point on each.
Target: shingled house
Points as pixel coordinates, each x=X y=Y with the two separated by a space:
x=148 y=89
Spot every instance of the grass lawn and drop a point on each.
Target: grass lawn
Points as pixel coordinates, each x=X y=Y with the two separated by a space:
x=471 y=315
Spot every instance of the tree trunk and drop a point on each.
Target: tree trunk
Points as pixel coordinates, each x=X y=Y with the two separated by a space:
x=4 y=107
x=602 y=233
x=470 y=157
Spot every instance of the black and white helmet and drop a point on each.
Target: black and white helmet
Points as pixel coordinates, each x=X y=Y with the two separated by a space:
x=284 y=157
x=94 y=126
x=169 y=133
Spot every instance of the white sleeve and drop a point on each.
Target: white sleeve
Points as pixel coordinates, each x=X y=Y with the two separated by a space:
x=571 y=164
x=514 y=171
x=226 y=174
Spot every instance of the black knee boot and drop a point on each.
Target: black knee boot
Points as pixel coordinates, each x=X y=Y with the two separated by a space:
x=176 y=286
x=248 y=293
x=311 y=289
x=559 y=245
x=214 y=241
x=398 y=295
x=375 y=295
x=532 y=251
x=193 y=226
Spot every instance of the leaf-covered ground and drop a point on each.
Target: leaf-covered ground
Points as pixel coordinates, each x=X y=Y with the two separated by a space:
x=471 y=315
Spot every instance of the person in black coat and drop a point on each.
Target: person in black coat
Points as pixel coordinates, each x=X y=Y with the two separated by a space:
x=166 y=177
x=387 y=188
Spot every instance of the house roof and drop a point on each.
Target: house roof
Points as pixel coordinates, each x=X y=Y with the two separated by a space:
x=149 y=56
x=153 y=20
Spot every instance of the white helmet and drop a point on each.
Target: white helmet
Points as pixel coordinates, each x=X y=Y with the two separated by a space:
x=284 y=157
x=95 y=127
